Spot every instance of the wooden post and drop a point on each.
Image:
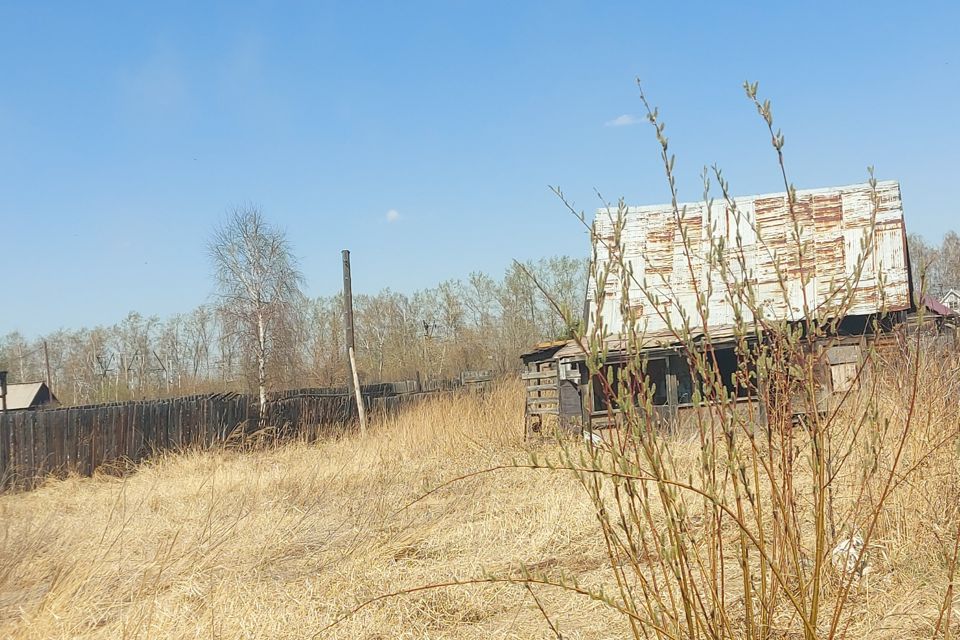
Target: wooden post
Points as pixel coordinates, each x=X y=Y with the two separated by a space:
x=46 y=360
x=348 y=326
x=3 y=391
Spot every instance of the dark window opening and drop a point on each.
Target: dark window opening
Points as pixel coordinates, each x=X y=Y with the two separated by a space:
x=681 y=369
x=671 y=375
x=656 y=378
x=610 y=373
x=728 y=370
x=861 y=325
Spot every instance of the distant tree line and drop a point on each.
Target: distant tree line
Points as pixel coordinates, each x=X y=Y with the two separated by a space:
x=935 y=268
x=478 y=323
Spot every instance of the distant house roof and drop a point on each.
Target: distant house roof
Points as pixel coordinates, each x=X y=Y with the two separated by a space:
x=951 y=298
x=936 y=306
x=28 y=395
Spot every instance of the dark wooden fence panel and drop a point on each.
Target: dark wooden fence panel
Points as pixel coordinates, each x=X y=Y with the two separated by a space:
x=36 y=444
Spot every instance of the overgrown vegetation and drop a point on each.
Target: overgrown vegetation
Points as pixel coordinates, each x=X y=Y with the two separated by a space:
x=286 y=542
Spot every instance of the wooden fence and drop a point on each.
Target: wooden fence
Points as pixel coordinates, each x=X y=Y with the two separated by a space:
x=36 y=444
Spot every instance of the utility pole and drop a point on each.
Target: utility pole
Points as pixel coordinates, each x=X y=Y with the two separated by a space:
x=348 y=326
x=3 y=391
x=46 y=360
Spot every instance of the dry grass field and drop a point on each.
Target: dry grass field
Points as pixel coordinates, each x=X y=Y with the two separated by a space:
x=279 y=543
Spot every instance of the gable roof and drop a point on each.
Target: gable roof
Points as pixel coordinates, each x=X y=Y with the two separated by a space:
x=24 y=395
x=833 y=223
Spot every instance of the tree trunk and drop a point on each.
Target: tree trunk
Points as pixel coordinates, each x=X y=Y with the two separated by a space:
x=380 y=364
x=262 y=363
x=23 y=377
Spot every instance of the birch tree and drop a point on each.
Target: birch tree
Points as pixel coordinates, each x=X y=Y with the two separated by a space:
x=258 y=285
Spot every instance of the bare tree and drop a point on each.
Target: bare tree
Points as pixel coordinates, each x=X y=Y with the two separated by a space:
x=936 y=266
x=258 y=284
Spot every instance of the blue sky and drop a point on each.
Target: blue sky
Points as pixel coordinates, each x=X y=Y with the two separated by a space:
x=126 y=132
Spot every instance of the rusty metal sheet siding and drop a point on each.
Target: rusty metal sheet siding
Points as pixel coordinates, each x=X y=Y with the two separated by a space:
x=791 y=262
x=830 y=261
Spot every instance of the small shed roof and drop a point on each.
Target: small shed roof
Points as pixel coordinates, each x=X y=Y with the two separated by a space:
x=542 y=351
x=24 y=395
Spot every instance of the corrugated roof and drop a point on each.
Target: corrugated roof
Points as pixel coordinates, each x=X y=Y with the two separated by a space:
x=21 y=395
x=833 y=224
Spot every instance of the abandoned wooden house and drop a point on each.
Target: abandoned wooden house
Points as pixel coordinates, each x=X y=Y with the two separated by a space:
x=843 y=231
